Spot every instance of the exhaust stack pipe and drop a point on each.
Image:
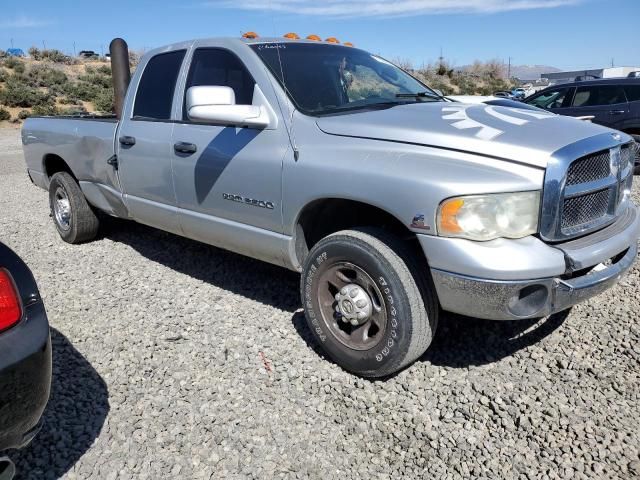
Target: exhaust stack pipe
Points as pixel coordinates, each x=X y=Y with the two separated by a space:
x=121 y=74
x=7 y=469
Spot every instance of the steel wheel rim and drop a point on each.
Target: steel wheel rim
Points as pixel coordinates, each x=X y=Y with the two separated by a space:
x=364 y=336
x=62 y=209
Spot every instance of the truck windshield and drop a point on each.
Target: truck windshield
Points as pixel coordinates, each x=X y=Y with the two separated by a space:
x=324 y=79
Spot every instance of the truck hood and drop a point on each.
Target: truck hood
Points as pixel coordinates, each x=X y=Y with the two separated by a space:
x=524 y=136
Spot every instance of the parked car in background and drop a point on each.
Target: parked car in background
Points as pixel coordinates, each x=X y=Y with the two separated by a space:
x=519 y=93
x=503 y=94
x=15 y=52
x=614 y=102
x=87 y=54
x=25 y=357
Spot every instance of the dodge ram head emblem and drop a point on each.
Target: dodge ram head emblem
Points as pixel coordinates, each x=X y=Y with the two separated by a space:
x=418 y=222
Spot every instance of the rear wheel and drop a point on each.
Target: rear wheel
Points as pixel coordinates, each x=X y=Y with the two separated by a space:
x=366 y=303
x=73 y=217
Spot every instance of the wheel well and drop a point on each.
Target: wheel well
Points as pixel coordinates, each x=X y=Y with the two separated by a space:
x=327 y=216
x=54 y=164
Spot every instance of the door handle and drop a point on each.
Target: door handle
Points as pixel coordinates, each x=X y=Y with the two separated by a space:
x=184 y=147
x=617 y=112
x=126 y=140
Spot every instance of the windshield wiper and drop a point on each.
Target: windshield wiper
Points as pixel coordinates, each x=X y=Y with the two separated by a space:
x=417 y=95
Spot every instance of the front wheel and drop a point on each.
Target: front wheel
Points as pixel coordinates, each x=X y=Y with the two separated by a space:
x=367 y=302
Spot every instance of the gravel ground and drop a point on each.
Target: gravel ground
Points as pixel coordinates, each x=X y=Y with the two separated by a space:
x=175 y=358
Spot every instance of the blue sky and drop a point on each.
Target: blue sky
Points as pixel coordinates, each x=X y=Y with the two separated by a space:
x=569 y=34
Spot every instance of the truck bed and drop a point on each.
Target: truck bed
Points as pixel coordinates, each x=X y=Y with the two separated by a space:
x=83 y=143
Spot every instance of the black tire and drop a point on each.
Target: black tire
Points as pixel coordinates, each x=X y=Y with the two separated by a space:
x=408 y=299
x=73 y=217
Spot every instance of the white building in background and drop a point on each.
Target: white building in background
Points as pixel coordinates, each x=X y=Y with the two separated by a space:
x=610 y=72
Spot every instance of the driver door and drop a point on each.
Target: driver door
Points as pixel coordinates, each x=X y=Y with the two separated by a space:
x=229 y=177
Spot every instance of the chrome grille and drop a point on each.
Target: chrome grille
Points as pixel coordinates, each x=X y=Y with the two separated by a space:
x=590 y=168
x=586 y=187
x=585 y=209
x=628 y=154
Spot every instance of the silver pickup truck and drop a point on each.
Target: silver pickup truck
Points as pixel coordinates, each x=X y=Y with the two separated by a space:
x=393 y=203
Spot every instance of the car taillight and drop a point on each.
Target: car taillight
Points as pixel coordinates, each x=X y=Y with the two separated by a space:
x=10 y=311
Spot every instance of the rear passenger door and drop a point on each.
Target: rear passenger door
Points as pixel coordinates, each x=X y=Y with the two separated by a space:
x=606 y=103
x=144 y=148
x=632 y=121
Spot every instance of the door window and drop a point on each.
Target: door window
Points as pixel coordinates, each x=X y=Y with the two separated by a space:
x=221 y=68
x=551 y=99
x=598 y=95
x=633 y=92
x=158 y=82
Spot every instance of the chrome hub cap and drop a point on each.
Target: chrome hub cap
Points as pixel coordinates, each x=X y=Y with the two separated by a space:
x=353 y=304
x=62 y=209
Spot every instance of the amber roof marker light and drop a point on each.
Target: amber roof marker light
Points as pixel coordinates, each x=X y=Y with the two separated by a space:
x=348 y=44
x=250 y=35
x=332 y=40
x=292 y=36
x=314 y=38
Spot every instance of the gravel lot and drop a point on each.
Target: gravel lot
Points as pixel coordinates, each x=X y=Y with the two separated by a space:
x=175 y=358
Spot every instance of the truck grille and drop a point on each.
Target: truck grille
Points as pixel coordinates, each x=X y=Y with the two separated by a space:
x=584 y=194
x=630 y=153
x=590 y=168
x=585 y=209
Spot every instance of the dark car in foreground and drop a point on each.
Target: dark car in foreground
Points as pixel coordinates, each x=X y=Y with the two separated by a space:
x=25 y=357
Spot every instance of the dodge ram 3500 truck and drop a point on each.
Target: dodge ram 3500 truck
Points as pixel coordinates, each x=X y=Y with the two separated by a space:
x=393 y=203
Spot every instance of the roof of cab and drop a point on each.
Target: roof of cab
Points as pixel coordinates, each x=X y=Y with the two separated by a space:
x=251 y=41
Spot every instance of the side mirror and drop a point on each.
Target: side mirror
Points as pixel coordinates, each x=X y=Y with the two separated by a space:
x=217 y=105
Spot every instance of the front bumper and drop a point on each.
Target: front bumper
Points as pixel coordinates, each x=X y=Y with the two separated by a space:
x=588 y=266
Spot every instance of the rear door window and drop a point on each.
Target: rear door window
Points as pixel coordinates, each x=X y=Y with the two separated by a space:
x=157 y=85
x=596 y=95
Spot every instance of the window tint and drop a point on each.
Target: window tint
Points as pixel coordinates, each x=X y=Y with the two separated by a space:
x=598 y=95
x=217 y=67
x=633 y=92
x=158 y=82
x=550 y=99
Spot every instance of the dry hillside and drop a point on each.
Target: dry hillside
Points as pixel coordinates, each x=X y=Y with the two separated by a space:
x=51 y=83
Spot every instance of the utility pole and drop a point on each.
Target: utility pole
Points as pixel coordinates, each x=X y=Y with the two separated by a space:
x=12 y=43
x=612 y=62
x=509 y=70
x=44 y=45
x=74 y=49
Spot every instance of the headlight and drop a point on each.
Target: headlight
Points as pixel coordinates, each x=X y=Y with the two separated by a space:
x=485 y=217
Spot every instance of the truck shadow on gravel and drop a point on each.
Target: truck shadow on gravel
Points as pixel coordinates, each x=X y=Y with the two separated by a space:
x=463 y=342
x=253 y=279
x=460 y=341
x=77 y=409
